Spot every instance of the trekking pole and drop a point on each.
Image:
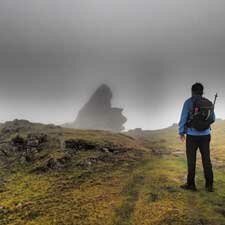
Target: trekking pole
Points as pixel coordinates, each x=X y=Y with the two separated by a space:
x=214 y=103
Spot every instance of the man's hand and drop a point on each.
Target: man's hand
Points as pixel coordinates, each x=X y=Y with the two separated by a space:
x=182 y=137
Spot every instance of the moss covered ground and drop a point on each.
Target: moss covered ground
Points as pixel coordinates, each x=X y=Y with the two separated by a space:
x=136 y=189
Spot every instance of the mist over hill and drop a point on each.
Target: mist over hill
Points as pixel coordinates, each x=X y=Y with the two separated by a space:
x=150 y=52
x=97 y=88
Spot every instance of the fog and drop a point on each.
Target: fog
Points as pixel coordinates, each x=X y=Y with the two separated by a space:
x=54 y=54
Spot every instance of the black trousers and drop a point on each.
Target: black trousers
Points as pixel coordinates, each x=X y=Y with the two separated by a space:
x=192 y=145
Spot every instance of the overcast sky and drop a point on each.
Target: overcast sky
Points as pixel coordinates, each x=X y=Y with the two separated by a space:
x=54 y=54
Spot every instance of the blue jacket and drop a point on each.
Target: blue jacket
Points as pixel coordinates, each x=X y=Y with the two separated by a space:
x=183 y=129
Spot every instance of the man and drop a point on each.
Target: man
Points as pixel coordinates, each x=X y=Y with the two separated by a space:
x=198 y=135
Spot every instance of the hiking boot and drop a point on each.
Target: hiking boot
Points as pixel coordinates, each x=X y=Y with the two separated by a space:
x=189 y=187
x=209 y=188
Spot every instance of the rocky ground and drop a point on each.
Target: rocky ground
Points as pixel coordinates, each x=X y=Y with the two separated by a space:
x=51 y=175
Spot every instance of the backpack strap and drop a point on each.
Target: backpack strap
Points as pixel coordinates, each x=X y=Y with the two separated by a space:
x=194 y=100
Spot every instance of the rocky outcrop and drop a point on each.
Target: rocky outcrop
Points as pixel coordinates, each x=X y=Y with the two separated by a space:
x=24 y=148
x=15 y=126
x=78 y=144
x=98 y=113
x=75 y=145
x=24 y=126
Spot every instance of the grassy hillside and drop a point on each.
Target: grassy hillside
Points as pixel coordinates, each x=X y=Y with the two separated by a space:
x=102 y=178
x=167 y=139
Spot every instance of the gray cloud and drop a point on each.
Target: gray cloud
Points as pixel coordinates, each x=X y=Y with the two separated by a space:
x=53 y=54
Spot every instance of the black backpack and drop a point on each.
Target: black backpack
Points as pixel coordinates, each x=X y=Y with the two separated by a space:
x=202 y=114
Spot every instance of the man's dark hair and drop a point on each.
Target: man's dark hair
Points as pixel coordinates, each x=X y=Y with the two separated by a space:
x=197 y=89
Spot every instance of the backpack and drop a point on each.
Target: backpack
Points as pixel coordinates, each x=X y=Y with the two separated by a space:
x=202 y=114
